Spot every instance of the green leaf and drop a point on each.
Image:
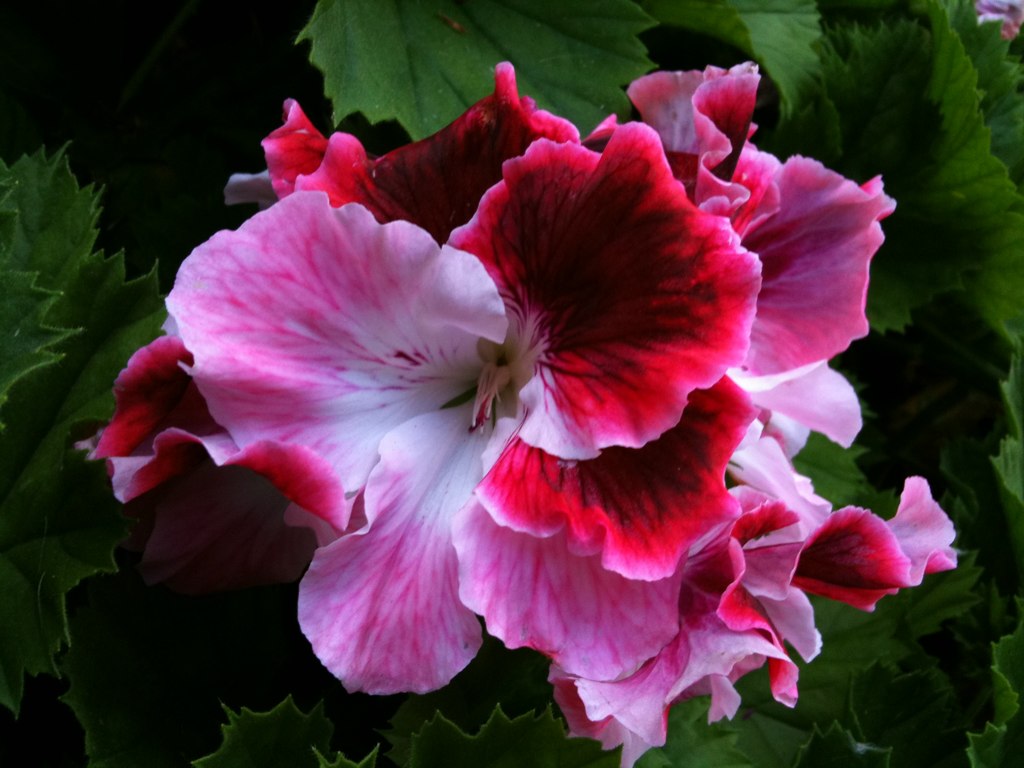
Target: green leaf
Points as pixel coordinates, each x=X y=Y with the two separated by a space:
x=340 y=761
x=779 y=34
x=982 y=510
x=1009 y=463
x=852 y=641
x=837 y=748
x=423 y=63
x=1004 y=736
x=149 y=669
x=282 y=736
x=974 y=183
x=26 y=341
x=905 y=103
x=535 y=740
x=517 y=679
x=58 y=520
x=695 y=743
x=836 y=475
x=877 y=79
x=1000 y=79
x=914 y=703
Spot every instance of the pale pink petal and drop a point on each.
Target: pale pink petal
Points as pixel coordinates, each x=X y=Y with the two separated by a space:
x=381 y=606
x=814 y=396
x=622 y=297
x=703 y=650
x=319 y=327
x=533 y=592
x=793 y=618
x=641 y=508
x=609 y=731
x=725 y=699
x=924 y=531
x=763 y=466
x=250 y=188
x=815 y=253
x=1009 y=13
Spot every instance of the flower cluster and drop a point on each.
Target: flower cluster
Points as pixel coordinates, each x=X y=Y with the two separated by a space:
x=505 y=372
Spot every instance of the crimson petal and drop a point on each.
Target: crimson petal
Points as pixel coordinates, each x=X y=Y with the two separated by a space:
x=646 y=506
x=437 y=182
x=295 y=149
x=628 y=296
x=853 y=557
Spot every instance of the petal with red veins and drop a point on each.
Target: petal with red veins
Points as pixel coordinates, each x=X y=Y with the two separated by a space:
x=437 y=182
x=320 y=327
x=170 y=453
x=642 y=508
x=533 y=592
x=623 y=296
x=857 y=558
x=755 y=172
x=815 y=253
x=294 y=149
x=381 y=606
x=854 y=557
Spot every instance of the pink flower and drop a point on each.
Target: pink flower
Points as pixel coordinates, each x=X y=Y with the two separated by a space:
x=504 y=373
x=322 y=328
x=1010 y=13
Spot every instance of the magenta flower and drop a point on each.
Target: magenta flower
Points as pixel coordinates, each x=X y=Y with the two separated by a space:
x=321 y=328
x=503 y=373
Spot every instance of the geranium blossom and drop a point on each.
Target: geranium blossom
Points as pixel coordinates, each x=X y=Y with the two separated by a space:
x=319 y=327
x=502 y=372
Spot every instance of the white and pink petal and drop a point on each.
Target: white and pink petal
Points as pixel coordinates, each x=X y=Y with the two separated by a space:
x=813 y=396
x=320 y=327
x=533 y=592
x=381 y=606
